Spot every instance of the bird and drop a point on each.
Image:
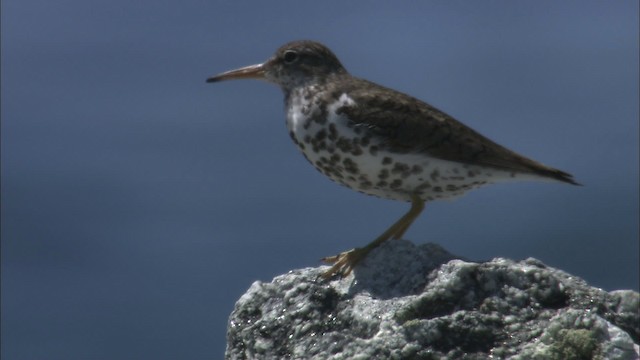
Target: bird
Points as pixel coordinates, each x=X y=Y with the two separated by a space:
x=381 y=142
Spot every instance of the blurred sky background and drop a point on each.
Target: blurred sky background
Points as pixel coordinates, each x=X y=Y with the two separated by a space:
x=139 y=203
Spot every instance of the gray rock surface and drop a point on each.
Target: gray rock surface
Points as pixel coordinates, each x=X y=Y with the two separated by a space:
x=420 y=302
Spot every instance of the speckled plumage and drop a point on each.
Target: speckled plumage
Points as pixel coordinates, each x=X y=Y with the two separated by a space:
x=382 y=142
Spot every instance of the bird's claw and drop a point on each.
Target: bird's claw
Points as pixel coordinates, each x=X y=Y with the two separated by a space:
x=343 y=263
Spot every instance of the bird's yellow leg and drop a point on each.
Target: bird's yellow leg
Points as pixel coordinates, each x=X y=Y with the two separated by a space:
x=417 y=205
x=344 y=263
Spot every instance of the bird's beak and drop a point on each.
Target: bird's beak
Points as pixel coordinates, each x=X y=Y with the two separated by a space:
x=247 y=72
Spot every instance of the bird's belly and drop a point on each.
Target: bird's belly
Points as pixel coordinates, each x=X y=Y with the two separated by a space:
x=356 y=158
x=398 y=176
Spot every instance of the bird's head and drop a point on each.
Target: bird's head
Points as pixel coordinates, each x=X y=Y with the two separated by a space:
x=294 y=64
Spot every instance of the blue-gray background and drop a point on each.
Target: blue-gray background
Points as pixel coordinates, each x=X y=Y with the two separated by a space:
x=138 y=202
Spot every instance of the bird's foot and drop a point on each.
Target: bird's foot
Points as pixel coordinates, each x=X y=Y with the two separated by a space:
x=344 y=263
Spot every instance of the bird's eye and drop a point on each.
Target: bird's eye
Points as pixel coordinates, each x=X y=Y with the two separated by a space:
x=290 y=56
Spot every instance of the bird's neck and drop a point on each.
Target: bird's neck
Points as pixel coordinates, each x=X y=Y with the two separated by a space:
x=302 y=93
x=311 y=86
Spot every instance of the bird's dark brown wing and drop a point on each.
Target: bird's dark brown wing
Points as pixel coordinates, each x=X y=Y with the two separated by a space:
x=410 y=125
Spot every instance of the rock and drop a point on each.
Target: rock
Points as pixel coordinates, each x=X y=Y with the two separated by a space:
x=421 y=302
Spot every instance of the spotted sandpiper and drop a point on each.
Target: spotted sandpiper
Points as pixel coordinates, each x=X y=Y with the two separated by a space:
x=379 y=141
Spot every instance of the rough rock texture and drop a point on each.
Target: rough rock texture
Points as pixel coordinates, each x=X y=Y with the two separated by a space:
x=420 y=302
